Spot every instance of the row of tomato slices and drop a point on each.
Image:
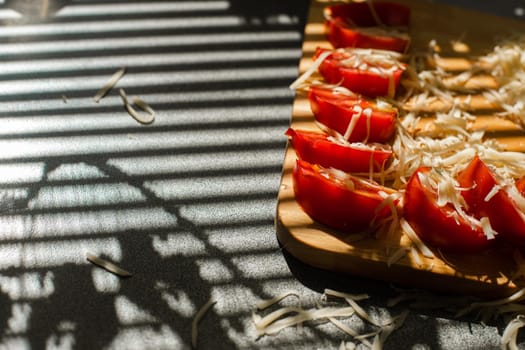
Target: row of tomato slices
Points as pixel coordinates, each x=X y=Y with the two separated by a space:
x=325 y=182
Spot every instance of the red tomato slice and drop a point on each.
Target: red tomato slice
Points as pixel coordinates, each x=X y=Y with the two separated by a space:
x=439 y=227
x=346 y=25
x=504 y=215
x=336 y=112
x=371 y=79
x=342 y=202
x=318 y=148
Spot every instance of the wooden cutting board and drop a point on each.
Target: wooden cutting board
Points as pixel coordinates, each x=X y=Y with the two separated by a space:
x=486 y=275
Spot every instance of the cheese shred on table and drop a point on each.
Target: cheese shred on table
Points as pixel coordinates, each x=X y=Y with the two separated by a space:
x=108 y=265
x=196 y=320
x=110 y=84
x=288 y=316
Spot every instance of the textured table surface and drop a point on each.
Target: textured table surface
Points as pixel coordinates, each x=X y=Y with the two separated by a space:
x=186 y=204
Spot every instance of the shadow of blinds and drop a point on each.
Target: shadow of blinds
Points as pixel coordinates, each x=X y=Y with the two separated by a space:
x=186 y=203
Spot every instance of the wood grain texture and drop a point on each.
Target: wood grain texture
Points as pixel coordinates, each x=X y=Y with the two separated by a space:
x=485 y=275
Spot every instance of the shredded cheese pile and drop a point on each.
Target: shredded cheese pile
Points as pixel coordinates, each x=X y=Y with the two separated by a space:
x=510 y=309
x=505 y=65
x=370 y=59
x=448 y=143
x=289 y=316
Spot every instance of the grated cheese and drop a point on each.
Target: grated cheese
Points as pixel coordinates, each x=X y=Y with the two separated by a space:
x=289 y=316
x=108 y=266
x=367 y=112
x=311 y=70
x=388 y=201
x=110 y=84
x=396 y=256
x=353 y=122
x=409 y=231
x=459 y=46
x=347 y=346
x=351 y=332
x=267 y=303
x=510 y=334
x=516 y=197
x=142 y=105
x=415 y=256
x=356 y=297
x=495 y=189
x=489 y=232
x=386 y=330
x=517 y=296
x=274 y=324
x=196 y=320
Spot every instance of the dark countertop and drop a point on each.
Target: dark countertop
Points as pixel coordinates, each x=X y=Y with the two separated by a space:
x=186 y=204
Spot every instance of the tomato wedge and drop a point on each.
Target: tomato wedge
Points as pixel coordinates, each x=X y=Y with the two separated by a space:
x=520 y=185
x=439 y=226
x=340 y=201
x=485 y=197
x=318 y=148
x=368 y=72
x=355 y=118
x=354 y=25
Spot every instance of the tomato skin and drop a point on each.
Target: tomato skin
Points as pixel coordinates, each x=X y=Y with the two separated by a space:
x=391 y=14
x=333 y=204
x=504 y=216
x=341 y=32
x=361 y=81
x=335 y=111
x=317 y=148
x=437 y=226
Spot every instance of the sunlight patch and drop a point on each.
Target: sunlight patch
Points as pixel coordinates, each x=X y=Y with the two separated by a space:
x=60 y=342
x=75 y=196
x=75 y=171
x=147 y=337
x=129 y=313
x=15 y=173
x=240 y=300
x=243 y=239
x=214 y=271
x=185 y=244
x=30 y=285
x=95 y=222
x=250 y=265
x=16 y=342
x=19 y=320
x=179 y=302
x=57 y=253
x=105 y=282
x=95 y=9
